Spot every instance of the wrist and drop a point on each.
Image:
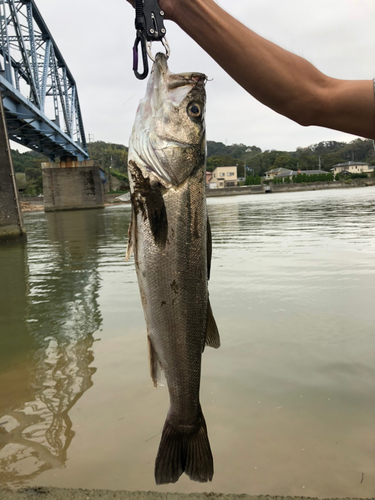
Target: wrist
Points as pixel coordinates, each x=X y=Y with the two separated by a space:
x=188 y=13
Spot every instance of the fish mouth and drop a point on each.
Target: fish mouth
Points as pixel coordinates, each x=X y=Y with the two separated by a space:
x=182 y=79
x=173 y=81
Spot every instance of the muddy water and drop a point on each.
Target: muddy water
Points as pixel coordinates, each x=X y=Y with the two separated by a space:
x=289 y=397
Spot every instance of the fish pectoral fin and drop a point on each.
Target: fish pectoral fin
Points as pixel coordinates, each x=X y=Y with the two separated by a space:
x=156 y=370
x=212 y=333
x=209 y=248
x=131 y=236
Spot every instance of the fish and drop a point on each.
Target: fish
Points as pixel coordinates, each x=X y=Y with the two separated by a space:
x=170 y=237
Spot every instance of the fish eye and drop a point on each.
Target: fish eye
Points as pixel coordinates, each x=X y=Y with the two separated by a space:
x=194 y=110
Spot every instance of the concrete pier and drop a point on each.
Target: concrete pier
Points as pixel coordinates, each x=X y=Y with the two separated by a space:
x=11 y=224
x=72 y=185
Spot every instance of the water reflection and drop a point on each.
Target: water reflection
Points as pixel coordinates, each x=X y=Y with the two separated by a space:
x=52 y=309
x=289 y=396
x=290 y=220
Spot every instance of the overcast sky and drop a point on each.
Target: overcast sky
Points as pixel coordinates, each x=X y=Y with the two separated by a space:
x=96 y=39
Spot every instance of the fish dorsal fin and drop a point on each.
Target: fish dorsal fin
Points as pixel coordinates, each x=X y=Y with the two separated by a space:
x=131 y=236
x=156 y=370
x=212 y=334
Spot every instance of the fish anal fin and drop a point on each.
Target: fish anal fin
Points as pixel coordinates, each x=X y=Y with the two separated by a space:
x=212 y=334
x=131 y=236
x=184 y=450
x=156 y=370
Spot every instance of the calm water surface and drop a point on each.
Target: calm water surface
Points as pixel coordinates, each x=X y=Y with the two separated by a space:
x=288 y=398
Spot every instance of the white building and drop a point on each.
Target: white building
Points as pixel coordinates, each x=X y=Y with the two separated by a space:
x=352 y=167
x=278 y=172
x=223 y=177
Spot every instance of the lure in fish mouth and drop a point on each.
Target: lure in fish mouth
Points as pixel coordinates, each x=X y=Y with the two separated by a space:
x=171 y=240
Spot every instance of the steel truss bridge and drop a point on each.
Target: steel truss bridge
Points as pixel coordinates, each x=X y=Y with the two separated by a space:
x=39 y=93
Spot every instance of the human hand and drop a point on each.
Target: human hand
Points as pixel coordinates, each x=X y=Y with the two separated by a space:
x=167 y=6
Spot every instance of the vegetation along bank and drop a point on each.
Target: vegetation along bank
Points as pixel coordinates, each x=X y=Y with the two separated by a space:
x=252 y=163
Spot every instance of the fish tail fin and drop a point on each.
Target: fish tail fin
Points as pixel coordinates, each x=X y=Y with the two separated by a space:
x=187 y=452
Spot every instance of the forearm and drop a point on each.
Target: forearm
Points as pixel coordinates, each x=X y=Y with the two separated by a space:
x=279 y=79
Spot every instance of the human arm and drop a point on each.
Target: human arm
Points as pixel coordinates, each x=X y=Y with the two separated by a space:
x=283 y=81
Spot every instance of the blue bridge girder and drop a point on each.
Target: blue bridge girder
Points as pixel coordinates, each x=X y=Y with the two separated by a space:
x=39 y=93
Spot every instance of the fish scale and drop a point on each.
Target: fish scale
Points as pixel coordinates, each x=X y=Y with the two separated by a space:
x=169 y=235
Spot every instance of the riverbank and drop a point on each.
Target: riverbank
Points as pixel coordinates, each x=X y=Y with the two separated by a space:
x=290 y=188
x=75 y=494
x=32 y=205
x=36 y=204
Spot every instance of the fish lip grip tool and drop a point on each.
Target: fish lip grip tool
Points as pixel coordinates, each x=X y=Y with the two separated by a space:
x=149 y=24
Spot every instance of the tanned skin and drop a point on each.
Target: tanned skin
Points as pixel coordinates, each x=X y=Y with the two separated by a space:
x=281 y=80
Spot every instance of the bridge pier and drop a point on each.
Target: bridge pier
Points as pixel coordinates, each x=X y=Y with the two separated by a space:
x=72 y=185
x=11 y=224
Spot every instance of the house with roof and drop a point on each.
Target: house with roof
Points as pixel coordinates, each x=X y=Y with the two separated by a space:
x=352 y=167
x=223 y=177
x=280 y=172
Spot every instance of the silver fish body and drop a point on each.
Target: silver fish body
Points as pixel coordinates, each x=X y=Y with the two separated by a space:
x=171 y=241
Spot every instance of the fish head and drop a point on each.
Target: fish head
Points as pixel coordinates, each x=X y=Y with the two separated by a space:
x=168 y=137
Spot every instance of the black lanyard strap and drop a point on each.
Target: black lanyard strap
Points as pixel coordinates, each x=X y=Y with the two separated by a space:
x=149 y=24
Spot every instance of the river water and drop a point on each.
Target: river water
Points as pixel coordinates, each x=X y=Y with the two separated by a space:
x=289 y=397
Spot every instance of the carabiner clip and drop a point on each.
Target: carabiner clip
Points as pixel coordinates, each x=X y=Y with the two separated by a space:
x=150 y=28
x=165 y=43
x=140 y=39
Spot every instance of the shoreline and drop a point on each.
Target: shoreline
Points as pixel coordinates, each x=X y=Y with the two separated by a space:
x=290 y=188
x=36 y=204
x=37 y=493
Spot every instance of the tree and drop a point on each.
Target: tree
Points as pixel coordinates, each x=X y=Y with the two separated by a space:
x=222 y=161
x=216 y=148
x=34 y=181
x=109 y=155
x=253 y=181
x=332 y=159
x=358 y=150
x=326 y=147
x=284 y=160
x=29 y=159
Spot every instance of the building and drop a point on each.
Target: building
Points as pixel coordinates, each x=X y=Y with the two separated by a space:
x=278 y=172
x=352 y=167
x=223 y=177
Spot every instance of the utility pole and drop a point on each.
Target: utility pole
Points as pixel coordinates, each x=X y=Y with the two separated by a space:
x=91 y=139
